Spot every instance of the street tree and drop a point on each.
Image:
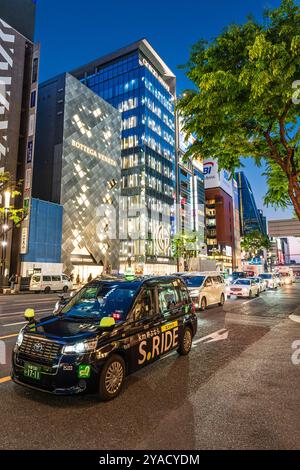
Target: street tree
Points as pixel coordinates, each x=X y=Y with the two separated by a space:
x=254 y=243
x=185 y=245
x=14 y=213
x=246 y=100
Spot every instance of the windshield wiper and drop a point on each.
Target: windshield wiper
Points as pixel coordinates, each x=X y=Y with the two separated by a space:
x=81 y=317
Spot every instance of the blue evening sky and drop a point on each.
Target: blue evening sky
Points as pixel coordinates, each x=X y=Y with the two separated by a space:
x=74 y=32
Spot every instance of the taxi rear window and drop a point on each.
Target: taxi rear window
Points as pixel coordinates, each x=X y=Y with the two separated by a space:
x=101 y=301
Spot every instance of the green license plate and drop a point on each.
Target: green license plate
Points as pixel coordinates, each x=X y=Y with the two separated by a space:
x=31 y=371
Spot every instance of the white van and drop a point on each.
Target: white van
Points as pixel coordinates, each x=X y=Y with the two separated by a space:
x=207 y=288
x=286 y=275
x=47 y=283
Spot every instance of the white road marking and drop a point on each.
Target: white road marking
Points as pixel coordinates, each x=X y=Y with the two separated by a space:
x=213 y=337
x=251 y=300
x=32 y=301
x=13 y=324
x=295 y=318
x=38 y=312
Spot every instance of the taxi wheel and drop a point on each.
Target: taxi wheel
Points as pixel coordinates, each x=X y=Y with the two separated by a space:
x=112 y=378
x=222 y=300
x=203 y=304
x=186 y=342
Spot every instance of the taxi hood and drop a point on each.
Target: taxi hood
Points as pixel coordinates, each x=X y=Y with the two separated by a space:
x=64 y=328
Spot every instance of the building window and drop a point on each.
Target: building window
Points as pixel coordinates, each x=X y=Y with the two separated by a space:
x=33 y=99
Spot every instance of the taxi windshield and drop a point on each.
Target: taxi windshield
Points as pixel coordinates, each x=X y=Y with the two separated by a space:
x=98 y=301
x=243 y=282
x=194 y=281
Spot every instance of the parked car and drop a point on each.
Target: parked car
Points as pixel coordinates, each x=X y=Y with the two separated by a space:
x=47 y=283
x=238 y=275
x=261 y=282
x=205 y=289
x=244 y=288
x=271 y=280
x=280 y=279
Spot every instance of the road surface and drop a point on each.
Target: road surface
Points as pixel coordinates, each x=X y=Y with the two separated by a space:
x=238 y=388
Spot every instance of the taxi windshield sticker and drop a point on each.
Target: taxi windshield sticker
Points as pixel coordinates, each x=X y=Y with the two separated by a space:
x=159 y=342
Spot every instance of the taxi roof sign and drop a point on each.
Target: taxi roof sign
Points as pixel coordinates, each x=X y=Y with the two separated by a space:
x=129 y=274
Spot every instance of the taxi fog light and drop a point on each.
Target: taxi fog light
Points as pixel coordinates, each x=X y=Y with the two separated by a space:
x=80 y=348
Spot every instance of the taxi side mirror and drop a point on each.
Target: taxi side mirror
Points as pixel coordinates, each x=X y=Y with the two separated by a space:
x=29 y=314
x=107 y=323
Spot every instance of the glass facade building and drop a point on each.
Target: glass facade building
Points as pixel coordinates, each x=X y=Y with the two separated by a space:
x=191 y=216
x=138 y=83
x=78 y=165
x=251 y=219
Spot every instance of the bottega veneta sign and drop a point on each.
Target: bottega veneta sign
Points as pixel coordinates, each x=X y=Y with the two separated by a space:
x=93 y=152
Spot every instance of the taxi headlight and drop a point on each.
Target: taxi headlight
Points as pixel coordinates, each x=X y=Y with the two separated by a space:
x=80 y=348
x=20 y=338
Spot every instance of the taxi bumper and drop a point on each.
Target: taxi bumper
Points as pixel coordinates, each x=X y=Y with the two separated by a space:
x=58 y=379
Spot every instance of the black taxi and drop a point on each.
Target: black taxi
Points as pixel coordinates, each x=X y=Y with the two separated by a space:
x=109 y=329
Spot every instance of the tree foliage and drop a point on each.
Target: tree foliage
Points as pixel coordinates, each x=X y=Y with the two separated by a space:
x=15 y=214
x=253 y=244
x=186 y=245
x=244 y=100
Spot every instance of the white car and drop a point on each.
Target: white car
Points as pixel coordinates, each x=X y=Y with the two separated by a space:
x=271 y=280
x=244 y=288
x=205 y=289
x=261 y=282
x=47 y=283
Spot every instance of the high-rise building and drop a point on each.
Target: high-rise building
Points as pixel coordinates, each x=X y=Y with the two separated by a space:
x=190 y=212
x=237 y=255
x=20 y=15
x=263 y=221
x=77 y=170
x=251 y=219
x=222 y=228
x=137 y=82
x=19 y=61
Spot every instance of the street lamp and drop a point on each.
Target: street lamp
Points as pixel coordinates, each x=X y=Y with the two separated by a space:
x=7 y=197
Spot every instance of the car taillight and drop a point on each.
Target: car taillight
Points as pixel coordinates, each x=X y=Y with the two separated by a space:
x=117 y=316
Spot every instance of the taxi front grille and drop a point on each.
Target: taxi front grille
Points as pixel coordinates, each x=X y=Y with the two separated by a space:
x=40 y=349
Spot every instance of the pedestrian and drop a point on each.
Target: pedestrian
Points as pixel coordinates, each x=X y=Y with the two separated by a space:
x=12 y=280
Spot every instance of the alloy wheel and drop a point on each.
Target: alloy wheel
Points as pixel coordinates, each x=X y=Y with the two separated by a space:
x=114 y=377
x=187 y=340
